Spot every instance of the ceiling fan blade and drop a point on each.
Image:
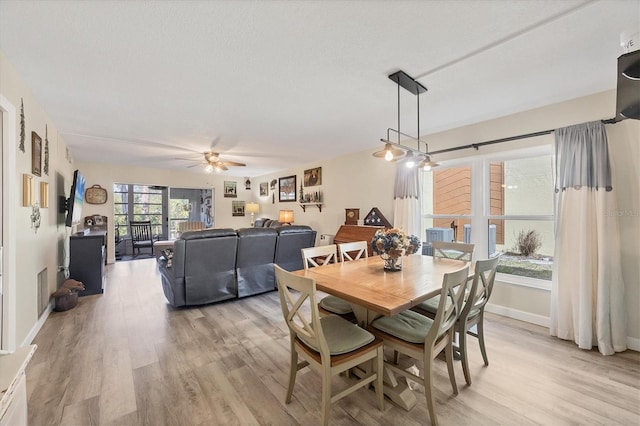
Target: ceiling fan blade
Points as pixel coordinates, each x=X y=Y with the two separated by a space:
x=186 y=159
x=194 y=165
x=232 y=163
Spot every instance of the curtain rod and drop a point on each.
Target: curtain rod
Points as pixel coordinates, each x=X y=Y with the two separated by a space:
x=477 y=146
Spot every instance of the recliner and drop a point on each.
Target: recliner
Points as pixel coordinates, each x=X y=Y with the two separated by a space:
x=254 y=263
x=213 y=265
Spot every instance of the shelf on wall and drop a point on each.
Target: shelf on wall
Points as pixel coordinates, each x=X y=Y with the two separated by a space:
x=304 y=206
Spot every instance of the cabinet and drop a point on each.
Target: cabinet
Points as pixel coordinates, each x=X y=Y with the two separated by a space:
x=13 y=402
x=86 y=260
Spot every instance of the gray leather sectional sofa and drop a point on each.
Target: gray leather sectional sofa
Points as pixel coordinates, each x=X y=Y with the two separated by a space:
x=219 y=264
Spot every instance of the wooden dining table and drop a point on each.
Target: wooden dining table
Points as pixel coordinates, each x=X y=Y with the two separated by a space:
x=374 y=292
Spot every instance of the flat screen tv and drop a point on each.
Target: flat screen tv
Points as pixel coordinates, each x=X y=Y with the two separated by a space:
x=74 y=204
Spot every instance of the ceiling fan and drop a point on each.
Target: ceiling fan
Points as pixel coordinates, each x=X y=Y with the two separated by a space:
x=213 y=162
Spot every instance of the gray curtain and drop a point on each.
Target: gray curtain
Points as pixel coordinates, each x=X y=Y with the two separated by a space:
x=582 y=157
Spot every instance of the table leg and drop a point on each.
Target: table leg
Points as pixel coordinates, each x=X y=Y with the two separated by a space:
x=398 y=392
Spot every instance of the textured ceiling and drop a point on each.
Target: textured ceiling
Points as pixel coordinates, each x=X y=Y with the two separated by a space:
x=274 y=83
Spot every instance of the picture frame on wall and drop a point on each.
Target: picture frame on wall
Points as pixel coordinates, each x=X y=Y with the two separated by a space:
x=36 y=154
x=287 y=189
x=230 y=189
x=313 y=177
x=264 y=189
x=237 y=208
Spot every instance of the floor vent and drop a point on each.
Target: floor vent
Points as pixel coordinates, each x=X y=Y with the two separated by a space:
x=43 y=292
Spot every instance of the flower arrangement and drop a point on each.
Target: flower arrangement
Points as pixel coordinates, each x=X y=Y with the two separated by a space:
x=392 y=244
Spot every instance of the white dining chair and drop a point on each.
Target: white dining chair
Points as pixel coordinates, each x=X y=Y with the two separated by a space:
x=472 y=311
x=329 y=345
x=422 y=338
x=317 y=257
x=451 y=250
x=353 y=251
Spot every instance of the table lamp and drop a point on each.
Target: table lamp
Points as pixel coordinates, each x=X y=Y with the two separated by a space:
x=252 y=208
x=286 y=216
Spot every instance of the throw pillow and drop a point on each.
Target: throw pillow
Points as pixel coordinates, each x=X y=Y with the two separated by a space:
x=168 y=255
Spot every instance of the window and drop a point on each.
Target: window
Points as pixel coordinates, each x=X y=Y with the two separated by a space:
x=526 y=219
x=512 y=197
x=137 y=203
x=446 y=204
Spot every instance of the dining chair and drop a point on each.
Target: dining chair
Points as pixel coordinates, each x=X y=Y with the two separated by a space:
x=472 y=311
x=324 y=255
x=141 y=235
x=353 y=251
x=329 y=345
x=450 y=250
x=423 y=338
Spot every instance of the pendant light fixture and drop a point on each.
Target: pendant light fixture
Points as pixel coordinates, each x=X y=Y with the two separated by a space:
x=396 y=150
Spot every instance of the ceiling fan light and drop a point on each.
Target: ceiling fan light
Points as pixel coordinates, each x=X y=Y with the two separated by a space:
x=208 y=168
x=217 y=168
x=388 y=155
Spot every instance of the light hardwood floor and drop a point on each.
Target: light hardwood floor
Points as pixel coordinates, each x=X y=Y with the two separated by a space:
x=126 y=357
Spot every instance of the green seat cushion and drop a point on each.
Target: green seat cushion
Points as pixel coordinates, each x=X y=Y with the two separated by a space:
x=341 y=335
x=431 y=305
x=407 y=325
x=336 y=305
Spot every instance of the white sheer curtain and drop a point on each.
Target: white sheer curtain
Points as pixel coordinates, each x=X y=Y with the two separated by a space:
x=406 y=200
x=587 y=296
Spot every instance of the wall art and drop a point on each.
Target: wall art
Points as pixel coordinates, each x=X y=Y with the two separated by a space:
x=27 y=190
x=264 y=189
x=313 y=177
x=237 y=208
x=230 y=190
x=36 y=154
x=44 y=195
x=287 y=188
x=46 y=150
x=22 y=132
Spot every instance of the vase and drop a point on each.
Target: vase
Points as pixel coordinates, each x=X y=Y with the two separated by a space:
x=392 y=264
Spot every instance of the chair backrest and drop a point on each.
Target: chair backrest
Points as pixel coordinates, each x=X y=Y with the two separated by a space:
x=357 y=246
x=457 y=251
x=300 y=310
x=454 y=285
x=190 y=226
x=483 y=279
x=318 y=256
x=141 y=230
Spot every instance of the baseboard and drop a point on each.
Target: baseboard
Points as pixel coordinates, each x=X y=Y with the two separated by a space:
x=633 y=344
x=38 y=325
x=518 y=315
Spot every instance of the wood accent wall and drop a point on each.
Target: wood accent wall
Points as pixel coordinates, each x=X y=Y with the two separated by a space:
x=452 y=195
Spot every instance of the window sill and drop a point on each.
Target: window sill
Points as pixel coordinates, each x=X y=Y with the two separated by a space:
x=523 y=281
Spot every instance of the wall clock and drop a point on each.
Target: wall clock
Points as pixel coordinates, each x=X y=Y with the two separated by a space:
x=351 y=216
x=96 y=195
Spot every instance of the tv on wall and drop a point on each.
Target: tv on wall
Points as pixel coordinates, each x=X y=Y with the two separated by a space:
x=76 y=197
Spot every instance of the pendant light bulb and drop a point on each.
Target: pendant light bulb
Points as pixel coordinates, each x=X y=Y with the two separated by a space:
x=410 y=160
x=389 y=155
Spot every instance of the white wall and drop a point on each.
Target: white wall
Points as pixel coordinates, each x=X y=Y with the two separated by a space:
x=44 y=249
